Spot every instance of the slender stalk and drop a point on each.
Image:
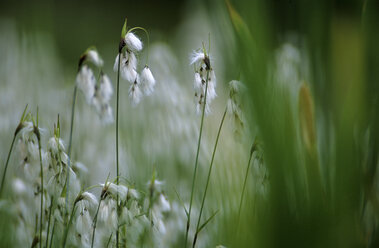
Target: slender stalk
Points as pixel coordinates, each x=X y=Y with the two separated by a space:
x=95 y=222
x=109 y=240
x=48 y=223
x=68 y=225
x=196 y=160
x=208 y=178
x=52 y=235
x=6 y=165
x=244 y=182
x=117 y=162
x=41 y=168
x=70 y=144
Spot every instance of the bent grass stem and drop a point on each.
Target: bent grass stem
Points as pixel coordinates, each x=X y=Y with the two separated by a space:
x=197 y=159
x=208 y=177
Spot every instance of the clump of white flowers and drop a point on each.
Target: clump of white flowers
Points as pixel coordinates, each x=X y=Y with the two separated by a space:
x=204 y=81
x=98 y=93
x=126 y=63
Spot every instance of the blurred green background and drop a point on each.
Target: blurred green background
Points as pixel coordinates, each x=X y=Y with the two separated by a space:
x=311 y=70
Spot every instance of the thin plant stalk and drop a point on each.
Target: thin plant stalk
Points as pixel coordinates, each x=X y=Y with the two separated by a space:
x=49 y=220
x=19 y=127
x=208 y=178
x=117 y=161
x=6 y=165
x=95 y=222
x=197 y=158
x=244 y=182
x=37 y=133
x=68 y=225
x=52 y=235
x=70 y=144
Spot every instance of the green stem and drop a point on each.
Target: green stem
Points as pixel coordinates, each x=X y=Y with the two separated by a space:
x=244 y=184
x=196 y=160
x=48 y=224
x=209 y=176
x=68 y=225
x=94 y=223
x=6 y=165
x=41 y=213
x=117 y=162
x=70 y=145
x=52 y=235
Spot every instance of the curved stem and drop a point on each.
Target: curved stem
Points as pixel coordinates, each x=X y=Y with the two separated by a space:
x=6 y=165
x=244 y=184
x=70 y=144
x=209 y=176
x=117 y=162
x=148 y=40
x=196 y=160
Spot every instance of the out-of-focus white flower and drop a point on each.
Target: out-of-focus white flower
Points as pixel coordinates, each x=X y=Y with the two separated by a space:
x=94 y=57
x=135 y=93
x=196 y=57
x=83 y=221
x=147 y=80
x=53 y=145
x=86 y=82
x=115 y=190
x=91 y=199
x=105 y=90
x=101 y=100
x=163 y=204
x=205 y=80
x=19 y=186
x=133 y=42
x=234 y=106
x=27 y=130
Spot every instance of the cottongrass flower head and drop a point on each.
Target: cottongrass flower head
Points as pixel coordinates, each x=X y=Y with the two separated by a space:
x=97 y=94
x=204 y=80
x=126 y=63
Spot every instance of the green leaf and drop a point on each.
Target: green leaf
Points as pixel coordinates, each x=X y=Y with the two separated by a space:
x=206 y=222
x=124 y=29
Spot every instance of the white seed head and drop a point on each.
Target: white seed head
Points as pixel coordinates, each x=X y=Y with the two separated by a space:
x=147 y=81
x=91 y=199
x=94 y=57
x=135 y=93
x=86 y=82
x=105 y=90
x=83 y=222
x=133 y=42
x=196 y=57
x=128 y=67
x=27 y=130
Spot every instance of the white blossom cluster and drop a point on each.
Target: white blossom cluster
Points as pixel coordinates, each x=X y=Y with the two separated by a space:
x=27 y=188
x=97 y=94
x=144 y=219
x=205 y=80
x=142 y=83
